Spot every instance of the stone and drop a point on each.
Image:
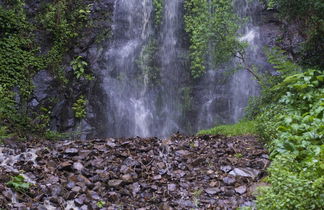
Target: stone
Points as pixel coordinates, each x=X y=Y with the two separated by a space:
x=135 y=188
x=226 y=169
x=182 y=152
x=157 y=177
x=114 y=182
x=127 y=178
x=240 y=190
x=172 y=187
x=228 y=180
x=71 y=151
x=78 y=166
x=42 y=81
x=245 y=172
x=212 y=191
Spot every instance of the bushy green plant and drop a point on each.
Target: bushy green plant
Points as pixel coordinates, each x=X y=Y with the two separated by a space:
x=18 y=183
x=293 y=124
x=79 y=66
x=210 y=25
x=79 y=107
x=241 y=128
x=299 y=112
x=158 y=11
x=293 y=185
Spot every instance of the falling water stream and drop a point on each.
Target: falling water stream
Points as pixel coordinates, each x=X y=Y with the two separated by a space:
x=137 y=107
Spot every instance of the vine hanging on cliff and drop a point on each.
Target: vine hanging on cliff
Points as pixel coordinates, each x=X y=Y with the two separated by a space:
x=158 y=11
x=212 y=27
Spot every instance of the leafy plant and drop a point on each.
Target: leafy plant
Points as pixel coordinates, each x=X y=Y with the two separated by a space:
x=292 y=186
x=158 y=11
x=210 y=25
x=18 y=183
x=79 y=66
x=291 y=120
x=101 y=204
x=79 y=107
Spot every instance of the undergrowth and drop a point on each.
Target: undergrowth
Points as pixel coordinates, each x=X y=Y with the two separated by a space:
x=289 y=118
x=241 y=128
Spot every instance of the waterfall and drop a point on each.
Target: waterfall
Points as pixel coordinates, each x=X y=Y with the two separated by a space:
x=135 y=106
x=127 y=106
x=173 y=72
x=243 y=84
x=222 y=95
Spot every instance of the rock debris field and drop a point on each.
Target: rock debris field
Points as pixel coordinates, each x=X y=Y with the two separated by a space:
x=200 y=172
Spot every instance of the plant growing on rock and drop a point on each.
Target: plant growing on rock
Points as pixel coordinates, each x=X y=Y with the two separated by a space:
x=18 y=183
x=158 y=11
x=210 y=25
x=79 y=108
x=79 y=66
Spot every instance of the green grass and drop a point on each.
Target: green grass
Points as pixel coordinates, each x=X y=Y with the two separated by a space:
x=241 y=128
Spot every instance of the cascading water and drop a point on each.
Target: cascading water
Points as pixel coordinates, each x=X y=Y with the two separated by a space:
x=173 y=72
x=223 y=96
x=128 y=108
x=243 y=84
x=137 y=107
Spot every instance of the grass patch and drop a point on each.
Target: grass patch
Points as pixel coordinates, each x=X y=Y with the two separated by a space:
x=241 y=128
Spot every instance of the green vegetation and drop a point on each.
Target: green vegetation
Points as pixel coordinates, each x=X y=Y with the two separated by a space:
x=18 y=183
x=289 y=117
x=211 y=25
x=101 y=204
x=158 y=11
x=62 y=22
x=79 y=66
x=79 y=108
x=241 y=128
x=293 y=125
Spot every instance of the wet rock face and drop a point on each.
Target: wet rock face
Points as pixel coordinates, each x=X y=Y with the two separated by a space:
x=180 y=172
x=277 y=33
x=49 y=92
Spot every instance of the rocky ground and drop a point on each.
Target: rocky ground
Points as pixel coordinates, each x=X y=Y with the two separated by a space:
x=206 y=172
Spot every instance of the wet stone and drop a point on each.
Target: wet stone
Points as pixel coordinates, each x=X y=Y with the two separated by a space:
x=157 y=177
x=240 y=190
x=226 y=169
x=77 y=166
x=228 y=180
x=182 y=152
x=172 y=187
x=114 y=182
x=212 y=191
x=76 y=189
x=127 y=178
x=246 y=172
x=147 y=173
x=71 y=151
x=70 y=185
